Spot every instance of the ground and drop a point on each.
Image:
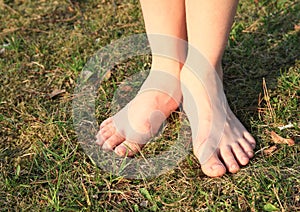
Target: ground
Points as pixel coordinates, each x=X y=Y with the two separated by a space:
x=43 y=47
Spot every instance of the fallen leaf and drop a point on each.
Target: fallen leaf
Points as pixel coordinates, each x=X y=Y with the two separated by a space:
x=70 y=9
x=107 y=75
x=270 y=150
x=277 y=139
x=297 y=27
x=56 y=92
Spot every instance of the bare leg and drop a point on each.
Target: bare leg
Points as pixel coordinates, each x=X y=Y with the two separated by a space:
x=208 y=26
x=165 y=17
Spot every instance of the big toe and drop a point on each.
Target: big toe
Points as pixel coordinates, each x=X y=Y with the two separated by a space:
x=213 y=167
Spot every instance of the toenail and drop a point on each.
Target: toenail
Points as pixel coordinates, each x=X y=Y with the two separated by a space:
x=98 y=140
x=216 y=166
x=234 y=166
x=121 y=150
x=106 y=147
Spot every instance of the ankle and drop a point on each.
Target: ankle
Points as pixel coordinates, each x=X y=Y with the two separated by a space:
x=170 y=66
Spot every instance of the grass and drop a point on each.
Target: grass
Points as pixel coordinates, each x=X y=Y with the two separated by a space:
x=44 y=46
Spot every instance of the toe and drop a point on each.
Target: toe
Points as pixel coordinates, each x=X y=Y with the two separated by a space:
x=229 y=159
x=106 y=122
x=107 y=134
x=103 y=135
x=247 y=147
x=240 y=155
x=99 y=139
x=128 y=149
x=213 y=167
x=250 y=139
x=112 y=142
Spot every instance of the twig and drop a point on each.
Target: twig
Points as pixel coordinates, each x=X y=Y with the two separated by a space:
x=289 y=125
x=7 y=31
x=10 y=8
x=278 y=199
x=267 y=99
x=86 y=194
x=59 y=20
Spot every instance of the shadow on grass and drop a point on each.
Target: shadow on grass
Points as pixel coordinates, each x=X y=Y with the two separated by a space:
x=263 y=50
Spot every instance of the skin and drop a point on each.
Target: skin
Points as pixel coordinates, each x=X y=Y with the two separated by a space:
x=206 y=26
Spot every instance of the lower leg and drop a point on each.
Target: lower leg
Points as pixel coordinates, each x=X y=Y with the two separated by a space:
x=208 y=27
x=209 y=24
x=165 y=18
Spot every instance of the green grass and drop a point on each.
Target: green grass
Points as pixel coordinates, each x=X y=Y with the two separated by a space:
x=44 y=46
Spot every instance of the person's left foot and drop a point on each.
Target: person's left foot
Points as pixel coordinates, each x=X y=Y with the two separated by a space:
x=217 y=154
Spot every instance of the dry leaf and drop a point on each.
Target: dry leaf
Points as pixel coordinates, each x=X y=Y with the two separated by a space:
x=277 y=139
x=70 y=9
x=270 y=150
x=56 y=92
x=297 y=27
x=107 y=75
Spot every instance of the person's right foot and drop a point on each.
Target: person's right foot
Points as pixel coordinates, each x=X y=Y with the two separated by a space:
x=128 y=131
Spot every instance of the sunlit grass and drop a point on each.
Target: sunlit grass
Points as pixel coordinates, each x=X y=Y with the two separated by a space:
x=44 y=46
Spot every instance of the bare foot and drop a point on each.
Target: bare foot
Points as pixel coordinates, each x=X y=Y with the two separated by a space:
x=220 y=141
x=128 y=131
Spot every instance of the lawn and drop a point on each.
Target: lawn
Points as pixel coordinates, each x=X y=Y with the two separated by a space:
x=44 y=45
